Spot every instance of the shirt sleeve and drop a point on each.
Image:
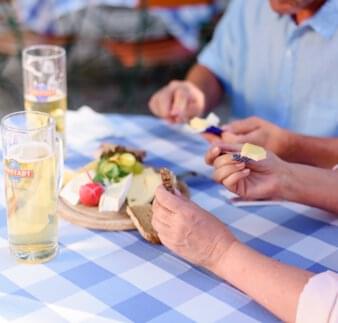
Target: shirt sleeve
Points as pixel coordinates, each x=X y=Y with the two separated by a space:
x=218 y=54
x=318 y=301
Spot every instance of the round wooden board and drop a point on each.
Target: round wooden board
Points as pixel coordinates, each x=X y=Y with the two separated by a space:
x=91 y=218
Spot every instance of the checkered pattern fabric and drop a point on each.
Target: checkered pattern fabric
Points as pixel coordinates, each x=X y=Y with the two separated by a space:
x=117 y=276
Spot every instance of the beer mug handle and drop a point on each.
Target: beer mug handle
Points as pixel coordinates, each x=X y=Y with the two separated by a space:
x=59 y=163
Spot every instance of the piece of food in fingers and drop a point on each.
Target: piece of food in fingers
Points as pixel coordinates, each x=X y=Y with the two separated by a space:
x=168 y=180
x=241 y=159
x=207 y=125
x=141 y=215
x=253 y=152
x=250 y=152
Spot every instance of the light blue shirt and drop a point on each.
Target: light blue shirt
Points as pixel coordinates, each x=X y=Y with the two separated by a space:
x=276 y=70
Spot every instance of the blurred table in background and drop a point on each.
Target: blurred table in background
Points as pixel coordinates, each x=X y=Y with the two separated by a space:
x=153 y=32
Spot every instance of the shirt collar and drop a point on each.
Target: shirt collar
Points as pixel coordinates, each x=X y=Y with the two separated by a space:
x=325 y=21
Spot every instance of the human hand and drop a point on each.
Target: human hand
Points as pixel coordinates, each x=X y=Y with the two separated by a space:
x=259 y=132
x=264 y=179
x=178 y=102
x=190 y=231
x=214 y=139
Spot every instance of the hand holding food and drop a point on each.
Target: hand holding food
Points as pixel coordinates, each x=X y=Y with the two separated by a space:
x=190 y=231
x=259 y=132
x=250 y=179
x=178 y=102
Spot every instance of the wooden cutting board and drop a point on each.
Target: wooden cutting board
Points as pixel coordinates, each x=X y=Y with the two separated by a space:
x=91 y=218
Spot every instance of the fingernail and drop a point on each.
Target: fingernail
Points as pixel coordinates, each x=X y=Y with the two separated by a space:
x=246 y=171
x=240 y=165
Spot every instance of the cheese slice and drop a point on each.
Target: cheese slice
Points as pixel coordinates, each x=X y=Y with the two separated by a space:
x=143 y=187
x=71 y=191
x=115 y=195
x=199 y=125
x=253 y=152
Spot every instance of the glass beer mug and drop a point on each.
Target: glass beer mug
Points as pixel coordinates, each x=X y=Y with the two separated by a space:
x=45 y=85
x=33 y=166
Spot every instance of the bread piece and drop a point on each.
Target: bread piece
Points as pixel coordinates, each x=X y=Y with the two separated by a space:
x=168 y=180
x=141 y=216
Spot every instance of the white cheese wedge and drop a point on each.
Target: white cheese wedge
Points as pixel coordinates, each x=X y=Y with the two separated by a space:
x=143 y=187
x=198 y=125
x=212 y=119
x=71 y=191
x=115 y=195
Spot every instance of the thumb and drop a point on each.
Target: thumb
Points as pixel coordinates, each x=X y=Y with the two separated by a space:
x=244 y=126
x=168 y=200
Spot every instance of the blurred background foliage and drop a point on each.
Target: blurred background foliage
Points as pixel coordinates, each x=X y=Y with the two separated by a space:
x=95 y=76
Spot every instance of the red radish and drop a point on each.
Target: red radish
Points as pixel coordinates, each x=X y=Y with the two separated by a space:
x=90 y=194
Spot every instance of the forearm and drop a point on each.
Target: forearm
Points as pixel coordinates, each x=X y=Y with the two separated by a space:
x=311 y=185
x=208 y=84
x=322 y=152
x=274 y=285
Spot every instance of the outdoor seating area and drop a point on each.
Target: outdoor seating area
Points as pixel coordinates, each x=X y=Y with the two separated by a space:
x=168 y=161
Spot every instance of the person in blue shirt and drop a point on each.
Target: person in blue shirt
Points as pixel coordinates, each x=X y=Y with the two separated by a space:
x=277 y=59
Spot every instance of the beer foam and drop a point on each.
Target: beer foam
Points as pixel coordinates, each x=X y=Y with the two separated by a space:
x=30 y=152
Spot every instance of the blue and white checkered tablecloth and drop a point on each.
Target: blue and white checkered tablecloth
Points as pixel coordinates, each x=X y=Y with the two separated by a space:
x=117 y=276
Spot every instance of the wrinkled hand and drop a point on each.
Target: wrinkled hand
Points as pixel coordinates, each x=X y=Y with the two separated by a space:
x=259 y=132
x=190 y=231
x=178 y=102
x=254 y=180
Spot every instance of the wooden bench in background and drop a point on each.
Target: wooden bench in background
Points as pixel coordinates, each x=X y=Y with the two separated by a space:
x=147 y=52
x=153 y=52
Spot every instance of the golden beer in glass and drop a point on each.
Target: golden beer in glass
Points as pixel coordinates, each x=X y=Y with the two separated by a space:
x=32 y=172
x=45 y=85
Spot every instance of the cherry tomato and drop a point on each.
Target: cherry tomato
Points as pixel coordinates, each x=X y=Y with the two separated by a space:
x=90 y=194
